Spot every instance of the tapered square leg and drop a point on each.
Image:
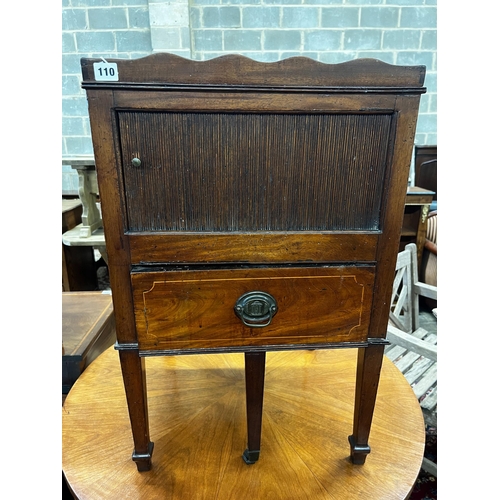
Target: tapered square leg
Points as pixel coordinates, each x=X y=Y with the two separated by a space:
x=255 y=367
x=134 y=380
x=367 y=379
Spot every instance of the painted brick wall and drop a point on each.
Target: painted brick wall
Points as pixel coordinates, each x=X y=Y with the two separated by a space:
x=94 y=28
x=331 y=31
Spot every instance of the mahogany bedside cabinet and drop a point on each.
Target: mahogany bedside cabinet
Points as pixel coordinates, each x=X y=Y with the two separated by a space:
x=251 y=207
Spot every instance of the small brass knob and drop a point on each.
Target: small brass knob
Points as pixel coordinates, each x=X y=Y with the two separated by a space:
x=136 y=162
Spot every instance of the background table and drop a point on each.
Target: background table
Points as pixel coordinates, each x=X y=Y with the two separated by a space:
x=418 y=201
x=78 y=264
x=88 y=329
x=197 y=422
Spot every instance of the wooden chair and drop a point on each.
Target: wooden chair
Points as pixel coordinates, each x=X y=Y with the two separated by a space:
x=428 y=269
x=426 y=177
x=426 y=170
x=413 y=349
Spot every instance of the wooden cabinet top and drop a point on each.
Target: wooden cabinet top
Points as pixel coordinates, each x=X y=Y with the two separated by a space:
x=159 y=70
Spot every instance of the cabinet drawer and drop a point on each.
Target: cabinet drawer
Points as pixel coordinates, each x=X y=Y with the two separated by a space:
x=179 y=310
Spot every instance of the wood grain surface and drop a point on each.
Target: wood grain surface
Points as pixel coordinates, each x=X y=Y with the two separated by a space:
x=198 y=424
x=254 y=172
x=195 y=309
x=233 y=69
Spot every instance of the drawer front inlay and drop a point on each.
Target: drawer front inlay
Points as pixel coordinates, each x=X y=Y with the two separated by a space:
x=196 y=309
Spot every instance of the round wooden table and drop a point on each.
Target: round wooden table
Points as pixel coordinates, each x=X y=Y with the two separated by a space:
x=198 y=425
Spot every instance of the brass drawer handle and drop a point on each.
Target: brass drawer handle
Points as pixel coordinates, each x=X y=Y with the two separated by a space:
x=136 y=162
x=256 y=309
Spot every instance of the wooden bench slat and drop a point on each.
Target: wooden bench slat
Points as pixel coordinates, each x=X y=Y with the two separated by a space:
x=430 y=401
x=413 y=352
x=426 y=382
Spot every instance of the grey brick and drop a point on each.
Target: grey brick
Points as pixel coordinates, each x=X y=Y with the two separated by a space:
x=185 y=37
x=138 y=54
x=169 y=14
x=86 y=125
x=221 y=17
x=68 y=42
x=300 y=17
x=340 y=17
x=322 y=2
x=237 y=2
x=105 y=55
x=138 y=17
x=71 y=85
x=431 y=139
x=361 y=39
x=67 y=169
x=282 y=2
x=432 y=103
x=379 y=17
x=206 y=40
x=95 y=41
x=312 y=55
x=322 y=40
x=242 y=40
x=185 y=53
x=335 y=57
x=418 y=17
x=407 y=2
x=69 y=179
x=195 y=18
x=287 y=54
x=166 y=38
x=260 y=17
x=421 y=139
x=73 y=126
x=74 y=19
x=363 y=2
x=424 y=104
x=264 y=56
x=382 y=55
x=430 y=81
x=90 y=3
x=79 y=145
x=205 y=2
x=427 y=122
x=411 y=58
x=429 y=40
x=74 y=106
x=401 y=39
x=71 y=64
x=133 y=41
x=107 y=18
x=131 y=2
x=282 y=40
x=205 y=56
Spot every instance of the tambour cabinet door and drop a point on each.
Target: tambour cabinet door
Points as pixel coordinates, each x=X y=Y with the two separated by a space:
x=220 y=172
